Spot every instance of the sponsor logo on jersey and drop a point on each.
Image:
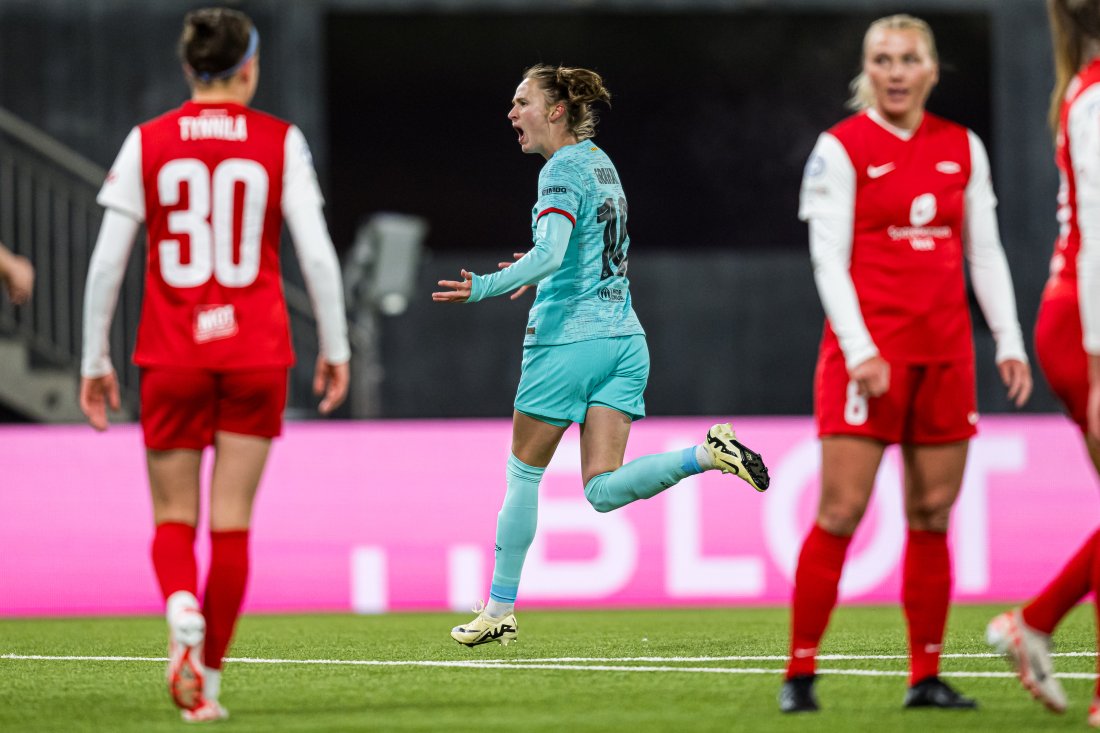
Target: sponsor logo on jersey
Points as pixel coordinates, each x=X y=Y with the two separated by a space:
x=553 y=189
x=612 y=295
x=214 y=322
x=878 y=171
x=921 y=237
x=218 y=126
x=606 y=175
x=948 y=167
x=923 y=209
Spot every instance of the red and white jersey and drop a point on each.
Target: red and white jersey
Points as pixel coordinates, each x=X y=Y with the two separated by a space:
x=892 y=215
x=1075 y=266
x=211 y=183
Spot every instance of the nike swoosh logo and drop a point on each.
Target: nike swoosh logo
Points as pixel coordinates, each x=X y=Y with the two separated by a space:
x=878 y=171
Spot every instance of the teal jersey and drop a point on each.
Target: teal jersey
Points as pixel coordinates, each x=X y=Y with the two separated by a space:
x=588 y=296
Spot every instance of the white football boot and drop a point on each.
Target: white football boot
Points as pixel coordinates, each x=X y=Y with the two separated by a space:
x=1028 y=652
x=186 y=634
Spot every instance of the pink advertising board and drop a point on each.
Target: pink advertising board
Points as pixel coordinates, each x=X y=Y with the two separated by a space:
x=377 y=516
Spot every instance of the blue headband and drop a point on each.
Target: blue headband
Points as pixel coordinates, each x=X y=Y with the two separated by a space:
x=208 y=76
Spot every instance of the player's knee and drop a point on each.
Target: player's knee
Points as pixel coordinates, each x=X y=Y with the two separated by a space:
x=929 y=516
x=840 y=520
x=597 y=496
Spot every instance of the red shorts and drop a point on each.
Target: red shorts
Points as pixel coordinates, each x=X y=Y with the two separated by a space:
x=183 y=408
x=925 y=404
x=1059 y=346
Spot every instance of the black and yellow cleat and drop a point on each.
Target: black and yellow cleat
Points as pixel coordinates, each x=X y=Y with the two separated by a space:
x=733 y=457
x=484 y=629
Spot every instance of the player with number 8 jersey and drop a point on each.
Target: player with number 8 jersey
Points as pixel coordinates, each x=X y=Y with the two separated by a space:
x=896 y=199
x=213 y=182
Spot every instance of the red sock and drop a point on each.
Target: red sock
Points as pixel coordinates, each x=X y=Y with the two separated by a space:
x=926 y=581
x=224 y=591
x=1047 y=609
x=174 y=558
x=815 y=589
x=1095 y=587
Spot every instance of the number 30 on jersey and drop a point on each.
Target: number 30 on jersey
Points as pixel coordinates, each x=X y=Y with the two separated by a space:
x=208 y=221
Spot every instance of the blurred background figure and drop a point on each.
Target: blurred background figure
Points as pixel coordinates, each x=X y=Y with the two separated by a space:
x=895 y=198
x=17 y=274
x=213 y=344
x=1067 y=333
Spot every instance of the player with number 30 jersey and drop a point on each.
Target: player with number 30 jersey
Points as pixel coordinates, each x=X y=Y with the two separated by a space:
x=213 y=182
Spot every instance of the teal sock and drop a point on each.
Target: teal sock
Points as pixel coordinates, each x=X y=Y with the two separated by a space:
x=516 y=524
x=642 y=478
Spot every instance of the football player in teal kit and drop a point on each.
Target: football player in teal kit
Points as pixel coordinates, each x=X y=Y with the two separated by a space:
x=585 y=358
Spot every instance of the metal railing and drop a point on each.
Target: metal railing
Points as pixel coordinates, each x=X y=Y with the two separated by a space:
x=48 y=213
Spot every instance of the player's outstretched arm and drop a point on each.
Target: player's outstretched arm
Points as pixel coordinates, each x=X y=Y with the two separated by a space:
x=523 y=288
x=96 y=395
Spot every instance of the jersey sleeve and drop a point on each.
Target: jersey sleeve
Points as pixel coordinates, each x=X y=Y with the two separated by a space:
x=551 y=240
x=1084 y=140
x=123 y=190
x=828 y=182
x=561 y=189
x=986 y=257
x=106 y=270
x=300 y=187
x=828 y=202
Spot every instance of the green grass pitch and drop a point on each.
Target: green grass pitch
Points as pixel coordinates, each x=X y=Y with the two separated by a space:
x=637 y=671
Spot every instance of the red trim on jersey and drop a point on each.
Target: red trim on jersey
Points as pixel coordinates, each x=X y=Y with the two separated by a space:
x=572 y=219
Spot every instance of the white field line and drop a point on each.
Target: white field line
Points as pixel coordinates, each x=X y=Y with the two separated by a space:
x=553 y=664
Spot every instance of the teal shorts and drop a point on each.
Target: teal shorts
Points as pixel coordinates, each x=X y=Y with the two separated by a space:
x=559 y=383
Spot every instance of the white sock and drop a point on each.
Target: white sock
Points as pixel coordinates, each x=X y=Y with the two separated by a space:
x=702 y=457
x=496 y=609
x=185 y=618
x=212 y=684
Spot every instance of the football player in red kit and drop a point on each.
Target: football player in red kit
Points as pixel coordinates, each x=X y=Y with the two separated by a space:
x=896 y=198
x=1067 y=333
x=213 y=182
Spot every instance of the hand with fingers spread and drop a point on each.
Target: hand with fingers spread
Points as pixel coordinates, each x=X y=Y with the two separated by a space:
x=331 y=381
x=1016 y=376
x=872 y=377
x=459 y=290
x=96 y=395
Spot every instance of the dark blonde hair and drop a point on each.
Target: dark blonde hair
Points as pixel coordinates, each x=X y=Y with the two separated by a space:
x=213 y=41
x=577 y=90
x=863 y=96
x=1072 y=24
